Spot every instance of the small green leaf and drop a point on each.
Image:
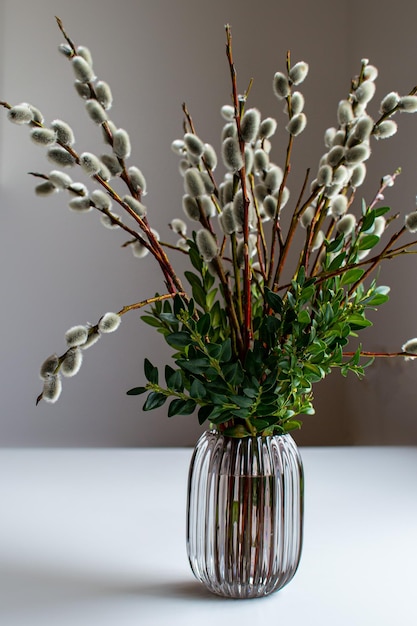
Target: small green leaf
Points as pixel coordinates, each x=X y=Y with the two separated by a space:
x=203 y=324
x=179 y=339
x=154 y=400
x=151 y=372
x=178 y=406
x=304 y=317
x=351 y=276
x=151 y=321
x=274 y=300
x=367 y=242
x=136 y=391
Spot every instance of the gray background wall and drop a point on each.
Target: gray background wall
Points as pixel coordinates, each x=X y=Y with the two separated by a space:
x=58 y=269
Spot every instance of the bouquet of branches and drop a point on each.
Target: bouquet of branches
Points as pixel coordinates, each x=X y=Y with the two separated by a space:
x=248 y=344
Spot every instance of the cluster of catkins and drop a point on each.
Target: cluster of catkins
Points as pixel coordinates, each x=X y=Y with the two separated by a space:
x=341 y=168
x=78 y=338
x=59 y=141
x=199 y=160
x=244 y=142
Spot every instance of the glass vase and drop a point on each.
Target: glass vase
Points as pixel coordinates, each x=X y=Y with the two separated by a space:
x=245 y=513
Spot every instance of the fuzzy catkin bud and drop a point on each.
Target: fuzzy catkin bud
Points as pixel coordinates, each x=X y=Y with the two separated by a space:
x=346 y=224
x=20 y=114
x=363 y=128
x=249 y=125
x=358 y=175
x=136 y=206
x=389 y=102
x=121 y=144
x=78 y=189
x=411 y=222
x=83 y=90
x=206 y=245
x=297 y=102
x=267 y=128
x=81 y=204
x=60 y=179
x=112 y=164
x=71 y=363
x=227 y=220
x=104 y=94
x=45 y=189
x=210 y=156
x=139 y=250
x=281 y=86
x=227 y=112
x=408 y=104
x=338 y=206
x=60 y=156
x=270 y=206
x=178 y=226
x=273 y=178
x=357 y=154
x=365 y=92
x=65 y=49
x=307 y=216
x=108 y=220
x=297 y=124
x=410 y=346
x=43 y=136
x=52 y=388
x=85 y=53
x=344 y=112
x=207 y=206
x=193 y=183
x=232 y=157
x=193 y=144
x=109 y=322
x=325 y=175
x=385 y=129
x=64 y=132
x=82 y=69
x=49 y=366
x=101 y=199
x=298 y=72
x=190 y=207
x=137 y=179
x=96 y=111
x=90 y=163
x=76 y=336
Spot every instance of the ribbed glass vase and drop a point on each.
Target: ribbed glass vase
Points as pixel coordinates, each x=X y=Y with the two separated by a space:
x=245 y=513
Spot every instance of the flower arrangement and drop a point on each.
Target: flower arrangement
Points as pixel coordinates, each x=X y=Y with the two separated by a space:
x=249 y=343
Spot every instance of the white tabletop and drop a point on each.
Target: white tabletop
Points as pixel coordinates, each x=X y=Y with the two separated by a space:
x=96 y=538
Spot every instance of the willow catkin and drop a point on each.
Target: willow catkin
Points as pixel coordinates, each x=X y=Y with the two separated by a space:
x=249 y=125
x=60 y=156
x=82 y=69
x=43 y=136
x=64 y=132
x=20 y=114
x=193 y=183
x=109 y=322
x=104 y=94
x=71 y=363
x=121 y=143
x=206 y=245
x=232 y=156
x=134 y=204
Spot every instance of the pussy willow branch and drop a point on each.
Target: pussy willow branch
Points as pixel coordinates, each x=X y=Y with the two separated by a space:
x=247 y=328
x=380 y=355
x=130 y=307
